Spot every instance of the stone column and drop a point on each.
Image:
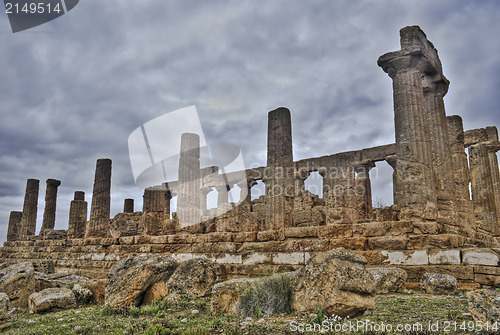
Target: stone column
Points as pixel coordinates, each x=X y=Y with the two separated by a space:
x=128 y=206
x=363 y=190
x=222 y=195
x=155 y=200
x=246 y=190
x=101 y=200
x=300 y=179
x=435 y=88
x=77 y=216
x=416 y=188
x=492 y=133
x=204 y=191
x=460 y=170
x=49 y=215
x=483 y=197
x=14 y=225
x=30 y=208
x=189 y=190
x=280 y=188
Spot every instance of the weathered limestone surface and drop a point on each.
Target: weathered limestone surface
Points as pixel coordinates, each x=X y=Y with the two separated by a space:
x=49 y=215
x=30 y=207
x=101 y=200
x=51 y=299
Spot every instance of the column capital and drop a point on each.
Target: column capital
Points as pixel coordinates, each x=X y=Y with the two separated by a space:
x=53 y=182
x=436 y=84
x=402 y=61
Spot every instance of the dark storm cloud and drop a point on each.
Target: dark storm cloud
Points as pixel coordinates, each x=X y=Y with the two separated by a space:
x=74 y=89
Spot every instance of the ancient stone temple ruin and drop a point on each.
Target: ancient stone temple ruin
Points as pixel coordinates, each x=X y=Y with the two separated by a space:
x=445 y=217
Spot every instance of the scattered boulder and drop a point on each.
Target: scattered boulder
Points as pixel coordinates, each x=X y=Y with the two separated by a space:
x=130 y=278
x=82 y=294
x=194 y=279
x=388 y=280
x=18 y=282
x=60 y=279
x=225 y=295
x=337 y=281
x=4 y=304
x=484 y=305
x=51 y=299
x=437 y=283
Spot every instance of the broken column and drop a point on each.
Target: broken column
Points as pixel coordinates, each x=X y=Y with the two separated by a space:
x=279 y=176
x=101 y=200
x=483 y=197
x=77 y=216
x=417 y=58
x=30 y=207
x=49 y=215
x=460 y=170
x=155 y=200
x=128 y=206
x=189 y=188
x=14 y=225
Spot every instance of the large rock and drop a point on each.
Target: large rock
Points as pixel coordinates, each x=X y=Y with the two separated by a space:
x=225 y=295
x=388 y=280
x=83 y=295
x=51 y=299
x=60 y=279
x=484 y=305
x=97 y=287
x=437 y=283
x=130 y=278
x=4 y=304
x=193 y=279
x=18 y=282
x=337 y=281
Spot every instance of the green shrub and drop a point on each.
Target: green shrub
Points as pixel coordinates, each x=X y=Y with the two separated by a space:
x=266 y=296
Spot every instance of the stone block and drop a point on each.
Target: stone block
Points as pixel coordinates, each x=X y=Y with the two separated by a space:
x=480 y=257
x=444 y=257
x=257 y=258
x=406 y=257
x=245 y=237
x=353 y=243
x=427 y=228
x=335 y=231
x=484 y=279
x=302 y=216
x=269 y=235
x=301 y=232
x=388 y=242
x=293 y=258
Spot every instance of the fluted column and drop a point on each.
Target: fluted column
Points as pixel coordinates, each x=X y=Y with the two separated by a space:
x=416 y=188
x=77 y=216
x=101 y=200
x=49 y=215
x=189 y=190
x=14 y=225
x=280 y=188
x=460 y=170
x=128 y=206
x=155 y=200
x=363 y=190
x=492 y=133
x=300 y=182
x=30 y=208
x=483 y=197
x=435 y=88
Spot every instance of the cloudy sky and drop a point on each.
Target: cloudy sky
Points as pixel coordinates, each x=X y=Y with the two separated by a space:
x=73 y=90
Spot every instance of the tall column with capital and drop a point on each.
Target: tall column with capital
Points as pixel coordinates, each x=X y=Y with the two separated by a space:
x=280 y=188
x=416 y=194
x=101 y=200
x=49 y=215
x=77 y=216
x=435 y=88
x=492 y=133
x=30 y=208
